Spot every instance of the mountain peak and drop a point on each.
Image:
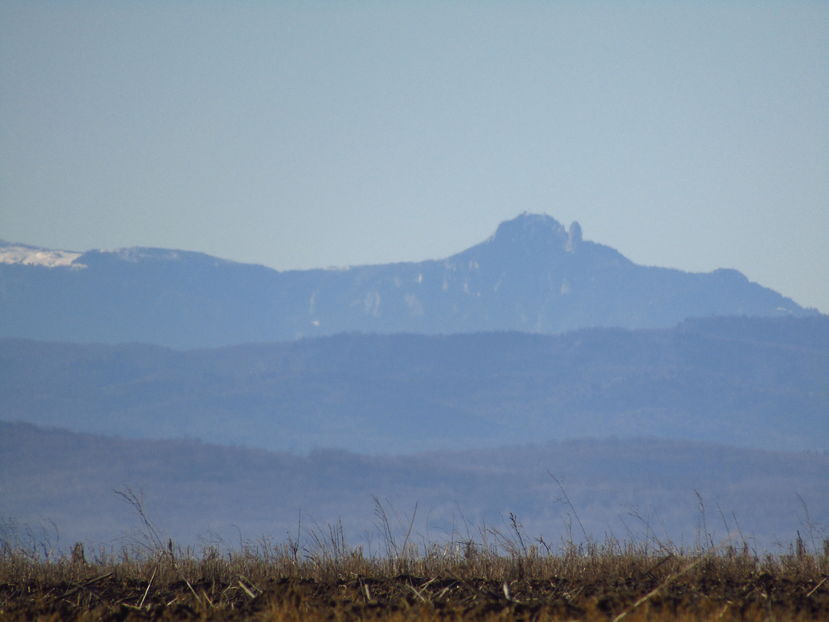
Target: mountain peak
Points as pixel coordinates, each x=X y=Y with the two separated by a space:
x=147 y=255
x=535 y=230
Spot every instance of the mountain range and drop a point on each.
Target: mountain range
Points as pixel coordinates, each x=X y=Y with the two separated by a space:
x=59 y=487
x=532 y=275
x=751 y=382
x=243 y=398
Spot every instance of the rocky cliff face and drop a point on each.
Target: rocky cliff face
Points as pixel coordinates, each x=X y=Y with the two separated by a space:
x=531 y=275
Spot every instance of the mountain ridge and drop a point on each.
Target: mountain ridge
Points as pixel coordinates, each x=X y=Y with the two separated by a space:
x=753 y=382
x=196 y=491
x=531 y=275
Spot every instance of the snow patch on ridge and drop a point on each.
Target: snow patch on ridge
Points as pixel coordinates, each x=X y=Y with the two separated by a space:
x=34 y=256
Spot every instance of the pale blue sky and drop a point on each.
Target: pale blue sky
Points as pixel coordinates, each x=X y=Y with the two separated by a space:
x=304 y=134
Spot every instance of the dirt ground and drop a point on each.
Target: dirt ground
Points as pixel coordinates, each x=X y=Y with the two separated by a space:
x=699 y=595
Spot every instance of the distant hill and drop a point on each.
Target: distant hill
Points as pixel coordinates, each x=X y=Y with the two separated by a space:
x=750 y=382
x=532 y=275
x=57 y=487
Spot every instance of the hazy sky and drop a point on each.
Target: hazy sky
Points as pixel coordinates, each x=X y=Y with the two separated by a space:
x=304 y=134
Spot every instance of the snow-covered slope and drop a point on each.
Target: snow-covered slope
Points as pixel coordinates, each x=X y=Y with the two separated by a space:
x=36 y=256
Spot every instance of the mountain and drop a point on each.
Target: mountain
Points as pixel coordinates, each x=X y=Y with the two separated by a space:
x=57 y=487
x=752 y=382
x=532 y=275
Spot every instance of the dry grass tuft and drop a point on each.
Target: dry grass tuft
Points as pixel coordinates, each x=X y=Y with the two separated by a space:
x=502 y=578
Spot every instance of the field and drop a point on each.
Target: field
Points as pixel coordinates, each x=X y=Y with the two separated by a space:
x=506 y=579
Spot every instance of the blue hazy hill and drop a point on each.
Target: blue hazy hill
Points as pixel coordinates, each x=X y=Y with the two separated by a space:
x=635 y=489
x=532 y=275
x=752 y=382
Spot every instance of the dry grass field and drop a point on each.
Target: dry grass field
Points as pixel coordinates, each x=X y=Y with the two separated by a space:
x=505 y=580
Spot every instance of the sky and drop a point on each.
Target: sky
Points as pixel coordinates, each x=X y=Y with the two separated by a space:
x=692 y=135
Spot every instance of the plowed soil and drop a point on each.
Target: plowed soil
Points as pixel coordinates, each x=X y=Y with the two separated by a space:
x=699 y=595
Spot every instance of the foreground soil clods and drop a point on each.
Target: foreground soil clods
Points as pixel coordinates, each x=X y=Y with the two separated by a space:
x=600 y=585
